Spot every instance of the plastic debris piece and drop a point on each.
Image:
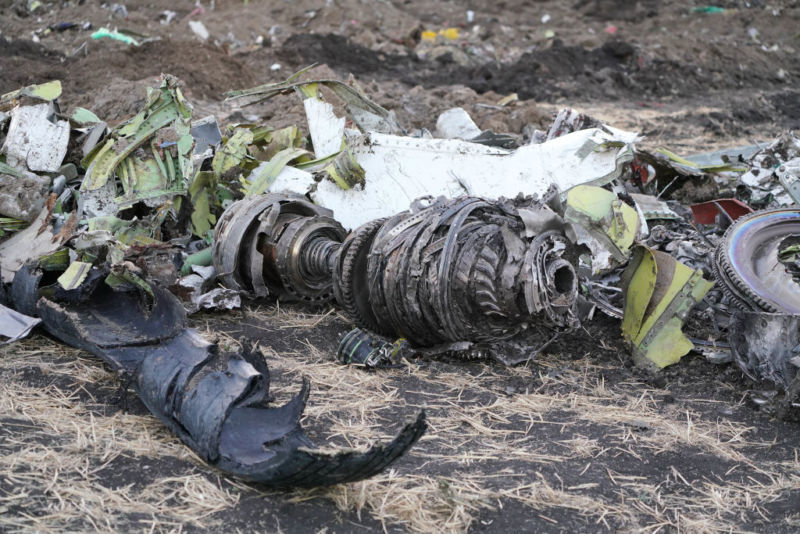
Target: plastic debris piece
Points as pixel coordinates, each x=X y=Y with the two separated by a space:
x=428 y=35
x=198 y=259
x=658 y=292
x=217 y=403
x=449 y=33
x=167 y=16
x=115 y=35
x=14 y=325
x=199 y=29
x=509 y=99
x=708 y=9
x=36 y=139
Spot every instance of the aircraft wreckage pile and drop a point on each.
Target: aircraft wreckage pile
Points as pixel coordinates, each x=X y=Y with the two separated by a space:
x=462 y=243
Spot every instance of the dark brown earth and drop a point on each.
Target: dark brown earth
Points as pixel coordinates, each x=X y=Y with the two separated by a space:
x=578 y=439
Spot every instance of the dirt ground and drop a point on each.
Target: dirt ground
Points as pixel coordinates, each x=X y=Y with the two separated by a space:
x=576 y=440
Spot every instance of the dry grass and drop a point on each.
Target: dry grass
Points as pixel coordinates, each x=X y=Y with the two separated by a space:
x=563 y=443
x=58 y=452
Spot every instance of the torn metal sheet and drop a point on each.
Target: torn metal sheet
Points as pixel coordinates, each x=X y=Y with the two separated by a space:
x=455 y=123
x=729 y=208
x=202 y=192
x=217 y=403
x=748 y=266
x=695 y=167
x=658 y=292
x=9 y=225
x=35 y=241
x=602 y=222
x=36 y=139
x=47 y=91
x=325 y=128
x=653 y=208
x=22 y=193
x=198 y=293
x=206 y=134
x=766 y=346
x=14 y=325
x=397 y=170
x=789 y=176
x=368 y=115
x=292 y=180
x=569 y=120
x=721 y=158
x=150 y=154
x=233 y=151
x=261 y=179
x=84 y=117
x=74 y=276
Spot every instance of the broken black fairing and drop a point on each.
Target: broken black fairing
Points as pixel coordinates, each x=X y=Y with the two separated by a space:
x=216 y=402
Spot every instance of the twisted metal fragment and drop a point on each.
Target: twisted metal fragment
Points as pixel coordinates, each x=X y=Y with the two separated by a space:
x=217 y=403
x=446 y=272
x=457 y=270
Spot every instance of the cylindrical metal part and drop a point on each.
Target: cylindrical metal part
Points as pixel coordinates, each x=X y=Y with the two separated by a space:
x=277 y=244
x=459 y=270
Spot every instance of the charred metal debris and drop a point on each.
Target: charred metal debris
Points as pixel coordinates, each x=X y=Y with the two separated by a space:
x=217 y=402
x=448 y=274
x=469 y=243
